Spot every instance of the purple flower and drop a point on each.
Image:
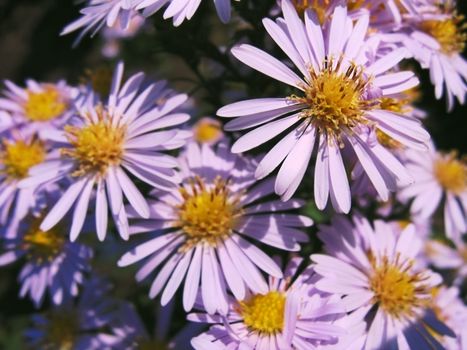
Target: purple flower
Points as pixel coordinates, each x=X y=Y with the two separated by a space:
x=338 y=107
x=208 y=225
x=374 y=269
x=108 y=140
x=181 y=10
x=286 y=316
x=442 y=256
x=52 y=264
x=39 y=108
x=83 y=324
x=438 y=176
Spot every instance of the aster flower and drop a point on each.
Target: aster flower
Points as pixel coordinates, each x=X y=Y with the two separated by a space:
x=443 y=256
x=39 y=108
x=436 y=37
x=133 y=334
x=287 y=316
x=450 y=308
x=338 y=108
x=374 y=269
x=108 y=140
x=209 y=224
x=84 y=323
x=181 y=10
x=17 y=156
x=52 y=264
x=439 y=177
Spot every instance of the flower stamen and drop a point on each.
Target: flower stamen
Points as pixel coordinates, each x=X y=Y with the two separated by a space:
x=45 y=105
x=20 y=156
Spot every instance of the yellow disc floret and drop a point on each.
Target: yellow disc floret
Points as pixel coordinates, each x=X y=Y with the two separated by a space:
x=396 y=289
x=99 y=78
x=42 y=245
x=208 y=213
x=207 y=131
x=451 y=173
x=20 y=156
x=44 y=105
x=264 y=313
x=61 y=330
x=335 y=100
x=96 y=146
x=450 y=33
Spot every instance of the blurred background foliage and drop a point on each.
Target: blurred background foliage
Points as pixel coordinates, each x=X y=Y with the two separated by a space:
x=195 y=59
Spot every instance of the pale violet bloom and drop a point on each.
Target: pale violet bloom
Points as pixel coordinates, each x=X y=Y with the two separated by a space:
x=52 y=264
x=337 y=107
x=443 y=256
x=181 y=10
x=207 y=231
x=289 y=315
x=374 y=269
x=440 y=179
x=107 y=142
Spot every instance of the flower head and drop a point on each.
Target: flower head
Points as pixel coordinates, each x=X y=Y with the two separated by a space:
x=105 y=142
x=374 y=270
x=339 y=106
x=210 y=223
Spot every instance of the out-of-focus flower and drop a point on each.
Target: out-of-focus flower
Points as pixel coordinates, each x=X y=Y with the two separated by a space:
x=373 y=268
x=180 y=10
x=208 y=131
x=436 y=37
x=338 y=108
x=443 y=256
x=17 y=156
x=82 y=324
x=53 y=264
x=39 y=108
x=438 y=177
x=452 y=310
x=107 y=141
x=208 y=223
x=286 y=316
x=99 y=13
x=134 y=336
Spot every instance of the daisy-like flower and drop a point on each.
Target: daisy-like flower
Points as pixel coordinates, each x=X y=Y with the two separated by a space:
x=52 y=263
x=338 y=107
x=181 y=10
x=99 y=13
x=17 y=156
x=84 y=323
x=436 y=36
x=38 y=108
x=439 y=177
x=442 y=256
x=287 y=316
x=108 y=141
x=374 y=269
x=208 y=226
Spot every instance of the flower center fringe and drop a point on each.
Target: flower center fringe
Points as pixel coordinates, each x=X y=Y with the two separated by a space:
x=97 y=145
x=45 y=105
x=42 y=245
x=335 y=100
x=264 y=313
x=451 y=173
x=450 y=33
x=398 y=291
x=208 y=213
x=20 y=156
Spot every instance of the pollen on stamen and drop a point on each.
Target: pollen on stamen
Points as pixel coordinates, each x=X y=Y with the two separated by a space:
x=97 y=145
x=208 y=212
x=17 y=157
x=450 y=33
x=44 y=105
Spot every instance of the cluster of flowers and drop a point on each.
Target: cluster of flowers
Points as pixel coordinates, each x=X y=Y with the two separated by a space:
x=207 y=217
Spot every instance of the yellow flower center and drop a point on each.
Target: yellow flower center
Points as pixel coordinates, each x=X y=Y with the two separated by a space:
x=43 y=245
x=45 y=105
x=208 y=213
x=335 y=100
x=96 y=146
x=61 y=330
x=320 y=7
x=451 y=173
x=207 y=131
x=450 y=33
x=20 y=156
x=264 y=313
x=100 y=79
x=396 y=290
